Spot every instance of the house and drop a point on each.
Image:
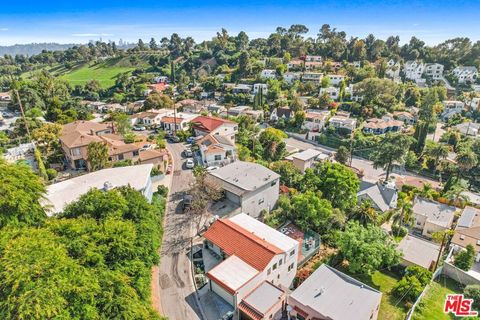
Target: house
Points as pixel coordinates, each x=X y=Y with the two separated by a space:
x=413 y=70
x=466 y=74
x=383 y=196
x=333 y=295
x=148 y=118
x=260 y=86
x=393 y=69
x=406 y=117
x=281 y=113
x=112 y=107
x=60 y=194
x=190 y=106
x=343 y=122
x=295 y=64
x=313 y=65
x=473 y=103
x=215 y=108
x=268 y=74
x=204 y=125
x=157 y=87
x=256 y=115
x=315 y=120
x=314 y=77
x=419 y=252
x=434 y=70
x=252 y=186
x=451 y=108
x=291 y=77
x=335 y=79
x=332 y=92
x=216 y=150
x=307 y=158
x=468 y=128
x=309 y=58
x=467 y=231
x=432 y=216
x=242 y=88
x=382 y=126
x=160 y=79
x=76 y=136
x=238 y=110
x=156 y=157
x=258 y=264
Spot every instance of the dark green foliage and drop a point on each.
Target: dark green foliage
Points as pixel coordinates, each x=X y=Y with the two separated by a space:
x=465 y=258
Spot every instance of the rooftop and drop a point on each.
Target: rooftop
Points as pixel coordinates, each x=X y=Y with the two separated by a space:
x=208 y=124
x=61 y=194
x=383 y=196
x=336 y=295
x=418 y=251
x=436 y=212
x=258 y=302
x=247 y=176
x=232 y=273
x=307 y=154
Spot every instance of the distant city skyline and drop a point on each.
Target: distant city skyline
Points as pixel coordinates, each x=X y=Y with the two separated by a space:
x=79 y=22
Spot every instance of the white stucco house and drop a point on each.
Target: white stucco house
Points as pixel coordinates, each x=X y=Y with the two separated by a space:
x=413 y=70
x=432 y=216
x=268 y=74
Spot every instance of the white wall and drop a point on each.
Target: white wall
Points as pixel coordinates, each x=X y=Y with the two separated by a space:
x=263 y=198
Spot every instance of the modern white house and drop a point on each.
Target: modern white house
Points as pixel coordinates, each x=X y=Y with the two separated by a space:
x=432 y=216
x=314 y=77
x=260 y=86
x=335 y=79
x=268 y=74
x=343 y=122
x=434 y=70
x=393 y=69
x=291 y=77
x=413 y=70
x=332 y=92
x=467 y=231
x=281 y=113
x=249 y=185
x=257 y=264
x=330 y=294
x=216 y=150
x=307 y=158
x=466 y=74
x=60 y=194
x=451 y=108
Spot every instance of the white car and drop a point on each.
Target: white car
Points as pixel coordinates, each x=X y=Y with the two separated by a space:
x=189 y=164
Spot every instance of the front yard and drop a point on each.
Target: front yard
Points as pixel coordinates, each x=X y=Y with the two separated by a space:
x=432 y=303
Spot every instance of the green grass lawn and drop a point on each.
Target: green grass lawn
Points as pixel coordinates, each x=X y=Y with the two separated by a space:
x=384 y=281
x=432 y=303
x=104 y=73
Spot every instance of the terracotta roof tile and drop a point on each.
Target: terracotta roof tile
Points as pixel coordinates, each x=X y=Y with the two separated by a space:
x=235 y=240
x=208 y=124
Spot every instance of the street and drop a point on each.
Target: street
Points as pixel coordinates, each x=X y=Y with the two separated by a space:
x=176 y=289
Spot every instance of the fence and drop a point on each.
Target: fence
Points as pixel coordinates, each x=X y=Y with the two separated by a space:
x=438 y=272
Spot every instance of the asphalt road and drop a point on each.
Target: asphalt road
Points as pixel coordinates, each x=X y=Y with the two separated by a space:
x=177 y=293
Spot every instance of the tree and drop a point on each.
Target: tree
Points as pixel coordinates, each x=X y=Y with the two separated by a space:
x=289 y=174
x=342 y=155
x=157 y=101
x=122 y=121
x=47 y=137
x=97 y=155
x=336 y=182
x=366 y=248
x=392 y=149
x=309 y=211
x=273 y=145
x=465 y=258
x=436 y=151
x=412 y=283
x=21 y=191
x=365 y=213
x=472 y=291
x=153 y=44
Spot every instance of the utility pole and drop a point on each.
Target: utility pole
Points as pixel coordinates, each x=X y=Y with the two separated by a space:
x=440 y=251
x=351 y=148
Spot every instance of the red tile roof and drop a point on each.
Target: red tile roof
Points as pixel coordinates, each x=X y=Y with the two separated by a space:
x=172 y=120
x=250 y=311
x=208 y=124
x=235 y=240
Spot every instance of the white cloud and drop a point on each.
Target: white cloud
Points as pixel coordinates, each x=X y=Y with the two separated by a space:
x=92 y=34
x=3 y=29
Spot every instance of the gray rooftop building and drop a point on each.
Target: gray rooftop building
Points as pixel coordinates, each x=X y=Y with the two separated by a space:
x=331 y=294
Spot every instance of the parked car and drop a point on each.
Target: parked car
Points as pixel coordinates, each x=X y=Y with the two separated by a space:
x=189 y=164
x=139 y=128
x=147 y=146
x=188 y=153
x=173 y=139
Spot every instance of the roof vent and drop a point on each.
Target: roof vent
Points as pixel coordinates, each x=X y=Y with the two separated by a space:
x=107 y=186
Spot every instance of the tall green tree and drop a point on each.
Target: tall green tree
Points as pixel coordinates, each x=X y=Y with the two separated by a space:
x=392 y=150
x=97 y=155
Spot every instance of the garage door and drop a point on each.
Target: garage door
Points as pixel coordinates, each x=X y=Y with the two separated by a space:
x=222 y=292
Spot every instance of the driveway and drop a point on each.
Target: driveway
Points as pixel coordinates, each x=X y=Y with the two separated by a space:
x=176 y=296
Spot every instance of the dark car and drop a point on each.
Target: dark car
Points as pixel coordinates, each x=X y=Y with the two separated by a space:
x=186 y=202
x=173 y=139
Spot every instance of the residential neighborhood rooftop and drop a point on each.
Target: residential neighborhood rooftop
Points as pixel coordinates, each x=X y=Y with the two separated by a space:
x=419 y=251
x=436 y=212
x=233 y=273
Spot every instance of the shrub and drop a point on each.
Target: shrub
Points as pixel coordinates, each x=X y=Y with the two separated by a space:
x=465 y=258
x=399 y=231
x=472 y=291
x=51 y=173
x=162 y=190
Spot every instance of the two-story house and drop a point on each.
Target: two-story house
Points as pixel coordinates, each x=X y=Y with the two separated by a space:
x=434 y=70
x=216 y=150
x=432 y=216
x=258 y=265
x=314 y=77
x=335 y=79
x=451 y=108
x=382 y=126
x=466 y=74
x=251 y=186
x=268 y=74
x=204 y=125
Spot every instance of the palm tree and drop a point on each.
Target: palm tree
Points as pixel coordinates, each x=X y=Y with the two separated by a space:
x=403 y=215
x=466 y=160
x=436 y=151
x=455 y=194
x=365 y=213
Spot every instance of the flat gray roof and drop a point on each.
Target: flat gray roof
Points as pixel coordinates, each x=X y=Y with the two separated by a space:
x=418 y=251
x=436 y=212
x=245 y=175
x=336 y=295
x=264 y=297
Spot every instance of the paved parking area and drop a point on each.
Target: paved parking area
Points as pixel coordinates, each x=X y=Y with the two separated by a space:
x=214 y=306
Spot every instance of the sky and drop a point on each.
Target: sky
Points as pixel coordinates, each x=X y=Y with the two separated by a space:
x=65 y=21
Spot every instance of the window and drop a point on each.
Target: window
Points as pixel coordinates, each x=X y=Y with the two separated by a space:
x=418 y=223
x=292 y=252
x=280 y=262
x=273 y=183
x=120 y=156
x=135 y=153
x=290 y=267
x=75 y=152
x=269 y=271
x=218 y=157
x=274 y=266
